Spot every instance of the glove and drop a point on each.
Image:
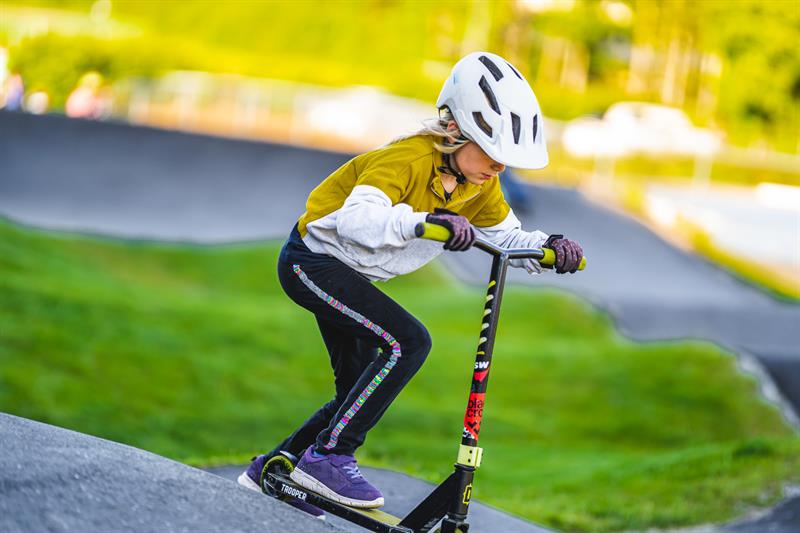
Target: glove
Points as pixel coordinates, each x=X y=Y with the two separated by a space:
x=568 y=254
x=462 y=236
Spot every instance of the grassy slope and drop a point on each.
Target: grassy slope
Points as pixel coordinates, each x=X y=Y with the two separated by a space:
x=194 y=353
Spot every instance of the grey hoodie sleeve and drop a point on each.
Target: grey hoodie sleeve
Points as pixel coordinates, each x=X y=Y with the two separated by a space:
x=369 y=219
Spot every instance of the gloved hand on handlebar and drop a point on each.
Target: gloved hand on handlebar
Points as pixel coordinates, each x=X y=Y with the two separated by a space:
x=462 y=234
x=568 y=253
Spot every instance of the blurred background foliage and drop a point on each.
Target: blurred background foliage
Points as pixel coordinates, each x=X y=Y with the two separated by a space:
x=730 y=65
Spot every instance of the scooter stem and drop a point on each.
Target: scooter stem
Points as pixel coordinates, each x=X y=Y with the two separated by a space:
x=483 y=355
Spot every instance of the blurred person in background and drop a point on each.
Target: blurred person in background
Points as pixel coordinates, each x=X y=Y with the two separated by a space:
x=37 y=103
x=359 y=227
x=14 y=92
x=88 y=100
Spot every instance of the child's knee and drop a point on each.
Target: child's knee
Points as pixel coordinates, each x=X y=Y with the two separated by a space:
x=417 y=344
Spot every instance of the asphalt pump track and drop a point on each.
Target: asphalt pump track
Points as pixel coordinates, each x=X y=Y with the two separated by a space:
x=143 y=183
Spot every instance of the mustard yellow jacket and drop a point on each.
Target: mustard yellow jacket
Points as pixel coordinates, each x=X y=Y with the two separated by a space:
x=364 y=214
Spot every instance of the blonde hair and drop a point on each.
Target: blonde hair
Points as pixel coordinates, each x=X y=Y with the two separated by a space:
x=451 y=140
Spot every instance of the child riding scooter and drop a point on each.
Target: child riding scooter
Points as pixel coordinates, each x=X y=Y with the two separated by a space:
x=360 y=226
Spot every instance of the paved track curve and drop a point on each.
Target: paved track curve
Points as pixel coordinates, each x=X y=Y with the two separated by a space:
x=53 y=479
x=144 y=183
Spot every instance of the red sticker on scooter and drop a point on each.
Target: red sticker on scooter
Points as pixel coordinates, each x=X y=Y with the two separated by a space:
x=479 y=376
x=472 y=420
x=481 y=369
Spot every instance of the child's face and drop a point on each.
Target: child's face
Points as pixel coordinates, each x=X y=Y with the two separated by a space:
x=476 y=166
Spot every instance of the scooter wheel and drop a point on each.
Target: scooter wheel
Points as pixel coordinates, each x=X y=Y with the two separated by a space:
x=280 y=464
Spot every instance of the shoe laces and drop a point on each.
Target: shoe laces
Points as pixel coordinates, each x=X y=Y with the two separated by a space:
x=352 y=471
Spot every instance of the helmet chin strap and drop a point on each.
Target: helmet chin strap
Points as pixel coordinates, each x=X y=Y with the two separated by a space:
x=447 y=168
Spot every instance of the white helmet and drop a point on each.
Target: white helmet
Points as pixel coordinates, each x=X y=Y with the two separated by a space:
x=495 y=107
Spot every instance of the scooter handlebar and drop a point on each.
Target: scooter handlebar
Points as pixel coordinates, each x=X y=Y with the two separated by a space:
x=433 y=232
x=545 y=256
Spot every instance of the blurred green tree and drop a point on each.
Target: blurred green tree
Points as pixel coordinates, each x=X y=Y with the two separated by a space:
x=730 y=63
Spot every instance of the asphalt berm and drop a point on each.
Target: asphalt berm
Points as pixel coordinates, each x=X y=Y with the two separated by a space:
x=57 y=480
x=53 y=479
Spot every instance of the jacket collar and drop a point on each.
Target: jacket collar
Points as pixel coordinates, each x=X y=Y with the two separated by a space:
x=461 y=193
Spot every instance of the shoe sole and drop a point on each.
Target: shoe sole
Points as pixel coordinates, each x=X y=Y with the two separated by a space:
x=245 y=481
x=310 y=483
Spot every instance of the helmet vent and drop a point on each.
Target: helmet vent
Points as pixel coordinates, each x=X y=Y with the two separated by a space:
x=514 y=70
x=489 y=64
x=535 y=126
x=489 y=94
x=515 y=126
x=478 y=118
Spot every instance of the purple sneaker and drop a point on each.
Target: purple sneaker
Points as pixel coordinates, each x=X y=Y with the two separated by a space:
x=337 y=478
x=253 y=477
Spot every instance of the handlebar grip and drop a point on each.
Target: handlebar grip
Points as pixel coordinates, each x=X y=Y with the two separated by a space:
x=549 y=259
x=434 y=232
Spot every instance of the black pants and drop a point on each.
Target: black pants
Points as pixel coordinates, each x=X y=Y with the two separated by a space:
x=375 y=347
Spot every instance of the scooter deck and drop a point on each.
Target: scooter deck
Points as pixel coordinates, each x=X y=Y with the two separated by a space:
x=372 y=519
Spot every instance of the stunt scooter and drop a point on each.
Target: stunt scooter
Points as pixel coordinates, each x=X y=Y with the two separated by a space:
x=449 y=502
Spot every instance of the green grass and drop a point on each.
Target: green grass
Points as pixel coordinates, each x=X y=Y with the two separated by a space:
x=194 y=353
